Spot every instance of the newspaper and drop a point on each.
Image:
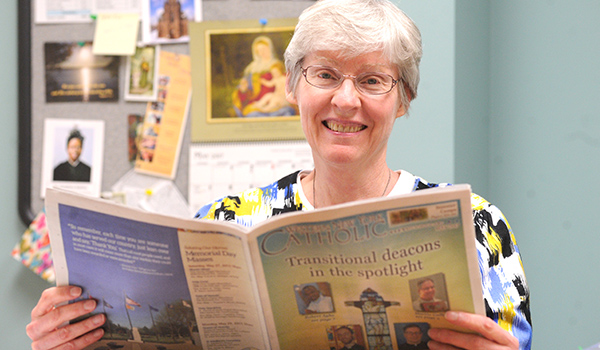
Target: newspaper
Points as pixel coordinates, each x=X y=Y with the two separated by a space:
x=344 y=275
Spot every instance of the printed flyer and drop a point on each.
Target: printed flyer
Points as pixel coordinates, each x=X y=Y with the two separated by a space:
x=164 y=122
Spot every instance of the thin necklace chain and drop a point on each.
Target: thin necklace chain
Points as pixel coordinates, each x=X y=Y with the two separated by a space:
x=315 y=178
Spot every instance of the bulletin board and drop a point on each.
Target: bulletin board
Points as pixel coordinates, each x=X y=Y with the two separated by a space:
x=34 y=110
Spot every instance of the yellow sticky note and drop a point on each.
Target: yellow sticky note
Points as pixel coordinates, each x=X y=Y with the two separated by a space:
x=116 y=34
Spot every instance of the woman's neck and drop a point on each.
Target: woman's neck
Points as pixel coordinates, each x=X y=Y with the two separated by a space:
x=326 y=186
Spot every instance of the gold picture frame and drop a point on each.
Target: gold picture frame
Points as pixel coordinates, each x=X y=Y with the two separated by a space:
x=238 y=80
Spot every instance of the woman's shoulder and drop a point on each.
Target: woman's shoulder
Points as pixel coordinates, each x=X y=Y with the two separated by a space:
x=478 y=203
x=257 y=204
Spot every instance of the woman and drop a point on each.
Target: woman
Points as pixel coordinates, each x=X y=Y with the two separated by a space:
x=352 y=70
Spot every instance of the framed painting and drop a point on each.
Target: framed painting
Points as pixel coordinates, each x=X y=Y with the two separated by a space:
x=238 y=81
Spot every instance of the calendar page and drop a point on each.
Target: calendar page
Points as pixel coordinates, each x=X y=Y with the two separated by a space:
x=220 y=169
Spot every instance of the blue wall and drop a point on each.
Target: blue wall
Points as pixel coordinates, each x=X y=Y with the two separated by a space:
x=508 y=102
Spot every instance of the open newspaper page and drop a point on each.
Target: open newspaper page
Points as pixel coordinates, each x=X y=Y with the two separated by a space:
x=163 y=282
x=372 y=274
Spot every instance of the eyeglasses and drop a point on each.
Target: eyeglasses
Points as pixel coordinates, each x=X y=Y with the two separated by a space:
x=370 y=83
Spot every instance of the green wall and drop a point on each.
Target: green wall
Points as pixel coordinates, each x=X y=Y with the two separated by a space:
x=509 y=102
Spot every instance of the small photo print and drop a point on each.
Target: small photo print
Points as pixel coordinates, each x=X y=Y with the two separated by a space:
x=344 y=337
x=73 y=155
x=141 y=79
x=429 y=294
x=314 y=298
x=74 y=74
x=412 y=336
x=134 y=121
x=166 y=22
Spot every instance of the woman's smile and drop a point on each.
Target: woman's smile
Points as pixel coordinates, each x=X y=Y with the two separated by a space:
x=341 y=128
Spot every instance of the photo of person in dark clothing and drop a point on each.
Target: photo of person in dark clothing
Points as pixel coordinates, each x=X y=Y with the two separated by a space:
x=73 y=169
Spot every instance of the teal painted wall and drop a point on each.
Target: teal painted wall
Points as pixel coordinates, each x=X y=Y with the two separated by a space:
x=522 y=126
x=545 y=157
x=432 y=112
x=471 y=95
x=19 y=288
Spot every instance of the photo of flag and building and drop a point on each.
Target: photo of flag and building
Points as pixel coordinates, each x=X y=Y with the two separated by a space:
x=145 y=302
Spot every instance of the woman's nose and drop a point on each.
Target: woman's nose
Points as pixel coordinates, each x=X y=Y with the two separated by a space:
x=346 y=96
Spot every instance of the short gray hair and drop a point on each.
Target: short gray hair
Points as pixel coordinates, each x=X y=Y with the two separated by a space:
x=355 y=27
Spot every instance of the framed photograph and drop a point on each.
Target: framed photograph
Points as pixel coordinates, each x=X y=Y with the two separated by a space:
x=141 y=79
x=75 y=74
x=166 y=22
x=73 y=155
x=238 y=81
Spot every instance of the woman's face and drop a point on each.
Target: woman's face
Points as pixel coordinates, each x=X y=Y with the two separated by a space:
x=344 y=126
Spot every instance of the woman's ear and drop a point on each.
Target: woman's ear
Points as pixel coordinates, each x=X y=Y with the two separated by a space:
x=402 y=109
x=290 y=96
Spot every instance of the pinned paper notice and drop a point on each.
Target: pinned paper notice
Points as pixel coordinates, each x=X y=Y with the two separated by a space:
x=116 y=34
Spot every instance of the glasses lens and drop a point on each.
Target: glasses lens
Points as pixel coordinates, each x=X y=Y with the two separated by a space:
x=323 y=77
x=329 y=78
x=374 y=83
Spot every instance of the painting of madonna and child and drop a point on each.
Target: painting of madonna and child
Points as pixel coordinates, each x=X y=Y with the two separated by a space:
x=248 y=75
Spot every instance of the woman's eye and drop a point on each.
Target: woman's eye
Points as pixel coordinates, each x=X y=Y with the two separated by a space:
x=325 y=75
x=371 y=80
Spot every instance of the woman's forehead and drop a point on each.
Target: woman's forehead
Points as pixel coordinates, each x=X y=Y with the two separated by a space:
x=368 y=60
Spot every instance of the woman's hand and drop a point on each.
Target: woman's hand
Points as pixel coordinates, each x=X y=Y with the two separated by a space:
x=46 y=317
x=490 y=335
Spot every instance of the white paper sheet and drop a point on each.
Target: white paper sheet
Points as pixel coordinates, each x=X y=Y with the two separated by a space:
x=221 y=169
x=80 y=11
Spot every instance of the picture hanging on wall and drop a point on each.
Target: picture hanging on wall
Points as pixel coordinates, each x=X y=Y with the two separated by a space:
x=141 y=79
x=166 y=21
x=238 y=81
x=73 y=155
x=74 y=74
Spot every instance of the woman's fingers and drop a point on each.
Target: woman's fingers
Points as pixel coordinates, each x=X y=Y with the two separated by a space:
x=46 y=317
x=58 y=316
x=489 y=334
x=46 y=320
x=52 y=297
x=73 y=336
x=484 y=326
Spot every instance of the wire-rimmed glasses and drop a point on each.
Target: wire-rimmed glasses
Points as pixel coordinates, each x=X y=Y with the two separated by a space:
x=370 y=83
